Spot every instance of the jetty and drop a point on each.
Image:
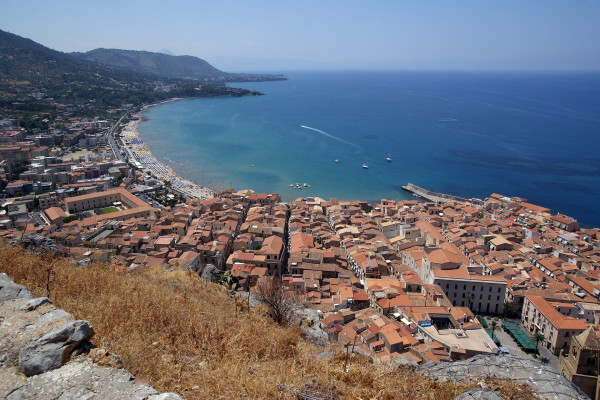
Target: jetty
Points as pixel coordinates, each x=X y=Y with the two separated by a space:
x=437 y=197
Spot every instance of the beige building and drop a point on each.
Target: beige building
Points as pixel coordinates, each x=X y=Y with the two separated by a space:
x=481 y=293
x=580 y=363
x=539 y=315
x=103 y=199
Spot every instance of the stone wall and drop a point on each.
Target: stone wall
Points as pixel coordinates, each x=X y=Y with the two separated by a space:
x=46 y=354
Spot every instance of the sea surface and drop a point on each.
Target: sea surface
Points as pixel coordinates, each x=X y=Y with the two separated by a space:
x=533 y=135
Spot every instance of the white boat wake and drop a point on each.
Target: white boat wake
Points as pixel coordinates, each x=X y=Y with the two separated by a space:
x=329 y=135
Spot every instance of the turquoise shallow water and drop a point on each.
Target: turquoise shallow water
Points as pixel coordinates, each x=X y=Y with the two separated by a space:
x=524 y=134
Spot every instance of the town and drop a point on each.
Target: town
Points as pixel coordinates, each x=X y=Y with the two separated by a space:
x=427 y=281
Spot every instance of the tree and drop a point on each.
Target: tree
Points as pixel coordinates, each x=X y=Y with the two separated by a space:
x=494 y=327
x=508 y=308
x=280 y=302
x=470 y=300
x=538 y=338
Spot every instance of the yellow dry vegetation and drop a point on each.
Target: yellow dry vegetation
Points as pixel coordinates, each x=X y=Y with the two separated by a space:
x=192 y=338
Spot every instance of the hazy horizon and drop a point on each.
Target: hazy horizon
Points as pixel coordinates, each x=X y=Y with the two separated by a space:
x=269 y=35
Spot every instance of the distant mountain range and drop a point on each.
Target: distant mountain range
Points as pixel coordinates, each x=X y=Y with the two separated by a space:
x=153 y=63
x=183 y=67
x=35 y=78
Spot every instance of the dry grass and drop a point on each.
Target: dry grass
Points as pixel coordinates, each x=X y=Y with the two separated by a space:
x=185 y=336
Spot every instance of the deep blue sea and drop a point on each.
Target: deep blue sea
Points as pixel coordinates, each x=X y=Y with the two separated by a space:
x=533 y=135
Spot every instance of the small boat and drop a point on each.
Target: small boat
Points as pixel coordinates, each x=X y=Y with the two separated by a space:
x=337 y=160
x=389 y=157
x=252 y=165
x=365 y=166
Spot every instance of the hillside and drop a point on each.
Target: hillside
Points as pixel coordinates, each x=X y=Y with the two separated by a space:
x=34 y=79
x=186 y=67
x=153 y=63
x=189 y=337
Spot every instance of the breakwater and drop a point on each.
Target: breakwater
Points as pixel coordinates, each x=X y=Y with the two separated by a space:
x=434 y=196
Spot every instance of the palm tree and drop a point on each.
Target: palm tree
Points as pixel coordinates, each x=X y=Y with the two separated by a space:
x=508 y=308
x=494 y=327
x=538 y=338
x=470 y=300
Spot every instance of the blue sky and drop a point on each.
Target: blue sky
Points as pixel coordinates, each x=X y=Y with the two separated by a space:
x=310 y=34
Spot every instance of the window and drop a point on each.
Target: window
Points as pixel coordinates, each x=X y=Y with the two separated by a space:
x=499 y=289
x=463 y=296
x=447 y=286
x=498 y=298
x=480 y=297
x=490 y=289
x=465 y=287
x=473 y=287
x=455 y=287
x=490 y=297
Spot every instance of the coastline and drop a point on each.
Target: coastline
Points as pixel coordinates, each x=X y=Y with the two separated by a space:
x=142 y=155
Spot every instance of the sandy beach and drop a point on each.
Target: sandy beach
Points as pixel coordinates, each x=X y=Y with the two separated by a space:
x=142 y=154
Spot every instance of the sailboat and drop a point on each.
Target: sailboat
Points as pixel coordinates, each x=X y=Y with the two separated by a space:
x=365 y=166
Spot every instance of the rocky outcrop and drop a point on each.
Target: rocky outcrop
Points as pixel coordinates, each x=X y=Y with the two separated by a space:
x=545 y=380
x=36 y=243
x=479 y=395
x=10 y=290
x=43 y=354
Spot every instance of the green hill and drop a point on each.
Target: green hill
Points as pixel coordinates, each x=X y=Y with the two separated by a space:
x=36 y=79
x=186 y=67
x=153 y=63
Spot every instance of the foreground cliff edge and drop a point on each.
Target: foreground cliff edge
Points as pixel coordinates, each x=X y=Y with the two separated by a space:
x=40 y=340
x=46 y=354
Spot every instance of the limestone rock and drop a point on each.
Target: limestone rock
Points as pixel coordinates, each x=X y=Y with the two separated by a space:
x=209 y=273
x=80 y=378
x=479 y=395
x=10 y=290
x=35 y=303
x=165 y=396
x=403 y=362
x=310 y=323
x=545 y=380
x=23 y=324
x=53 y=349
x=37 y=335
x=36 y=243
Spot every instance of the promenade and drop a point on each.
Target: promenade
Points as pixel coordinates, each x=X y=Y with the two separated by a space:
x=137 y=149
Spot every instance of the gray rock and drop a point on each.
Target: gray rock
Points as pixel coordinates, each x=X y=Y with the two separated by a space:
x=35 y=303
x=53 y=349
x=36 y=243
x=310 y=323
x=403 y=362
x=209 y=273
x=165 y=396
x=41 y=338
x=479 y=395
x=10 y=290
x=545 y=380
x=79 y=379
